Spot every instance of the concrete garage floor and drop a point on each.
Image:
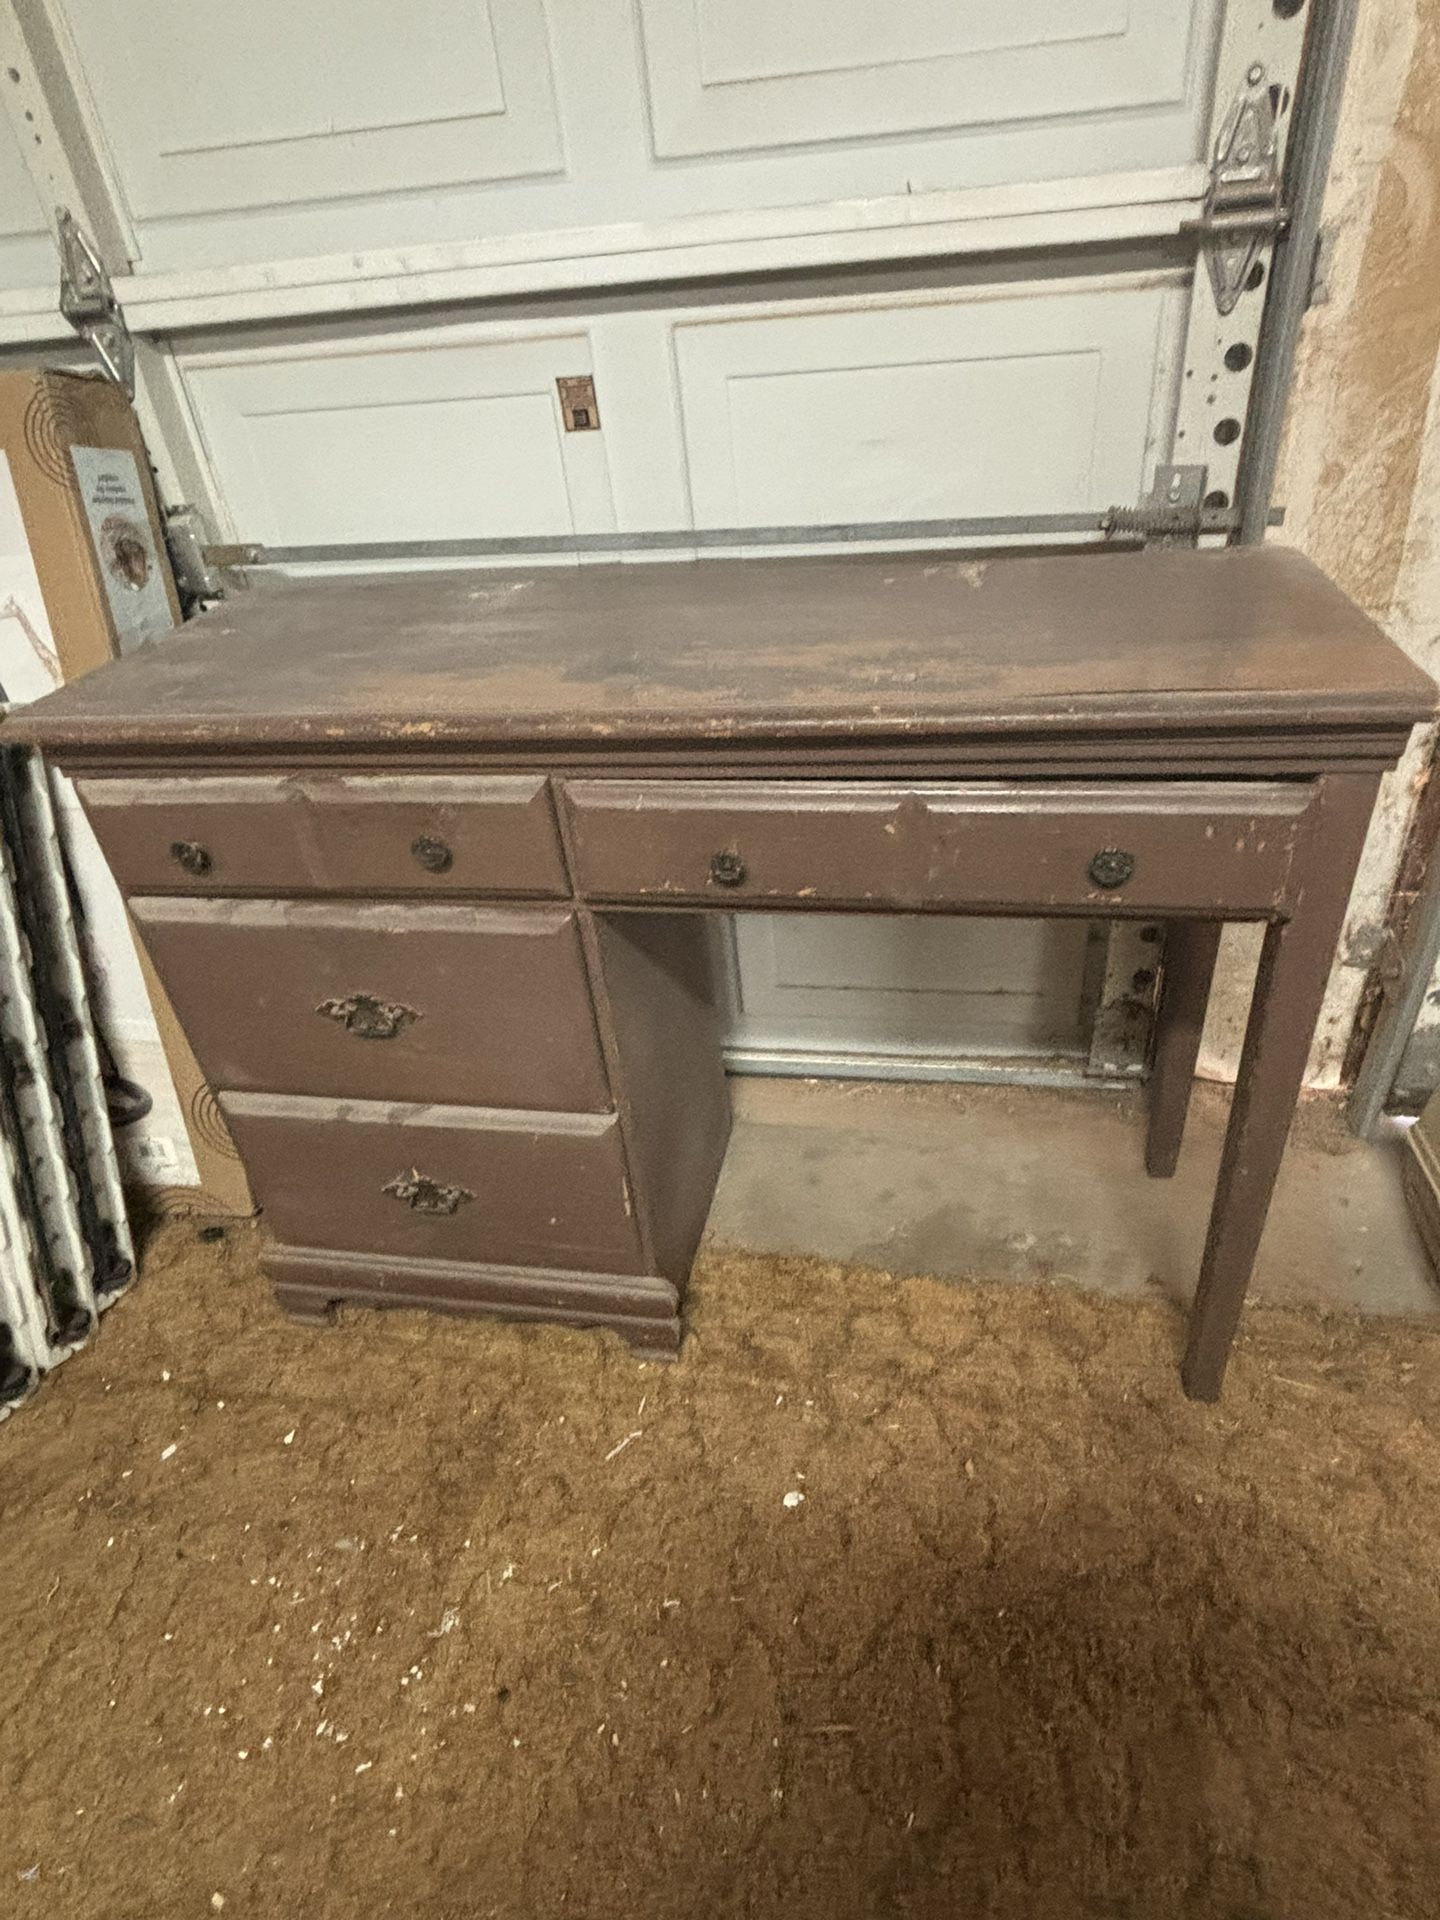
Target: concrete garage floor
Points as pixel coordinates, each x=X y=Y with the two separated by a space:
x=1026 y=1183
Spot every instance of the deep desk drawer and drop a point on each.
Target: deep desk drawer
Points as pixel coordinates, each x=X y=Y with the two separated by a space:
x=474 y=1006
x=339 y=833
x=1153 y=847
x=439 y=1183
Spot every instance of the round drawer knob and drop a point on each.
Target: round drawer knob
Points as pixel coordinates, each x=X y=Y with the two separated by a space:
x=727 y=869
x=191 y=856
x=432 y=854
x=1111 y=868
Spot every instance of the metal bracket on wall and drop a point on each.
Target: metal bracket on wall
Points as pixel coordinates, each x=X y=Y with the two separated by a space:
x=1122 y=970
x=88 y=302
x=1171 y=515
x=1243 y=209
x=197 y=580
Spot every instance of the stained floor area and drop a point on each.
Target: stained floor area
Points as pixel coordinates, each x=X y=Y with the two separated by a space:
x=893 y=1596
x=1020 y=1183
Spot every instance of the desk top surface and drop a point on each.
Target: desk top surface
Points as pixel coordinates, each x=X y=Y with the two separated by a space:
x=824 y=652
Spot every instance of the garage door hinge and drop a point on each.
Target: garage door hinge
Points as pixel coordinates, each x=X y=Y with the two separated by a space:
x=87 y=300
x=1243 y=209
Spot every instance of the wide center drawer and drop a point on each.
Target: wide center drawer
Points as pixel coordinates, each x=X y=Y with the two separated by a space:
x=328 y=833
x=474 y=1006
x=1152 y=847
x=440 y=1183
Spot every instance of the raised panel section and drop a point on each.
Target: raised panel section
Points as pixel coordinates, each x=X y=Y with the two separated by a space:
x=752 y=40
x=895 y=985
x=213 y=109
x=1038 y=402
x=439 y=433
x=734 y=76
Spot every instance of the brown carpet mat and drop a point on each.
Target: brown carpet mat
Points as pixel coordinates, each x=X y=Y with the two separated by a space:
x=432 y=1618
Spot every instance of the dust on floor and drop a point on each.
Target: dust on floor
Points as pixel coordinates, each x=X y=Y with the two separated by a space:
x=892 y=1597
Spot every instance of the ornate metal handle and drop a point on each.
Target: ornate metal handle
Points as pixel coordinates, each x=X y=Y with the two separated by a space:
x=191 y=856
x=424 y=1195
x=432 y=854
x=368 y=1018
x=1111 y=868
x=727 y=869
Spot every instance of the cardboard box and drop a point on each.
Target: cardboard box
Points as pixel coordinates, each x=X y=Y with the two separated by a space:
x=84 y=576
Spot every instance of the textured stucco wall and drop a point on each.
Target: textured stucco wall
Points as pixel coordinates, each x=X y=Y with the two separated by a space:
x=1360 y=473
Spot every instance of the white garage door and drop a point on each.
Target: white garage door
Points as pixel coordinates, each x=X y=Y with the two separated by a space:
x=26 y=253
x=824 y=262
x=272 y=130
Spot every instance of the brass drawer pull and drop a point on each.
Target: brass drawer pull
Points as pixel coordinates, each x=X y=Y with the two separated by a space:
x=424 y=1195
x=368 y=1018
x=1111 y=868
x=432 y=854
x=194 y=858
x=727 y=869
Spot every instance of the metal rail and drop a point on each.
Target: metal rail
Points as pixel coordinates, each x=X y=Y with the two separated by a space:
x=688 y=539
x=1307 y=168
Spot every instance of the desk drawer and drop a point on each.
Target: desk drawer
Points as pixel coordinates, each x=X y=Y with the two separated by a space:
x=439 y=1183
x=340 y=833
x=1170 y=847
x=476 y=1006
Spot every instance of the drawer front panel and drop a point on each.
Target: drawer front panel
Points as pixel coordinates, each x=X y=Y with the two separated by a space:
x=439 y=1183
x=472 y=1006
x=341 y=833
x=1166 y=847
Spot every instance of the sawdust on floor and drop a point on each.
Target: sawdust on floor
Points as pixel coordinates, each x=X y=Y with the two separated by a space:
x=893 y=1597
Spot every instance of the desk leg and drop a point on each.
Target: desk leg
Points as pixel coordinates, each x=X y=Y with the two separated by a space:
x=1289 y=987
x=1187 y=967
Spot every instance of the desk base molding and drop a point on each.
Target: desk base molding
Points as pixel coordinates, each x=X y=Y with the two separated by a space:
x=311 y=1283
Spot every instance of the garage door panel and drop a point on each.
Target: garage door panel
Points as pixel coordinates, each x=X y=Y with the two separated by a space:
x=274 y=131
x=316 y=463
x=865 y=434
x=422 y=436
x=27 y=256
x=296 y=104
x=1043 y=401
x=754 y=40
x=901 y=985
x=739 y=75
x=1046 y=397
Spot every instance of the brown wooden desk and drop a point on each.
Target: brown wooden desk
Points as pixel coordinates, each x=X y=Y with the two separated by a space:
x=423 y=860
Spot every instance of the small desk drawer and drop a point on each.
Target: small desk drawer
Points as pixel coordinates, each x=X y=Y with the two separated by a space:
x=316 y=833
x=469 y=1005
x=439 y=1183
x=1147 y=847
